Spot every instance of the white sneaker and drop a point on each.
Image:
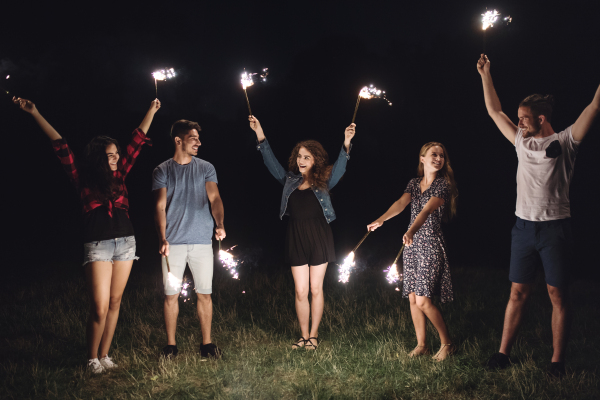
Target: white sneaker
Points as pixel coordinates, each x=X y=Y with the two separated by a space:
x=107 y=362
x=94 y=366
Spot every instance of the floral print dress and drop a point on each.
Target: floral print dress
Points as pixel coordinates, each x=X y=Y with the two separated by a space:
x=426 y=268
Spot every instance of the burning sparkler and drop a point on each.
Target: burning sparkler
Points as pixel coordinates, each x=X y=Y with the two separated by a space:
x=230 y=263
x=489 y=18
x=348 y=265
x=248 y=80
x=185 y=290
x=393 y=276
x=162 y=75
x=173 y=281
x=368 y=93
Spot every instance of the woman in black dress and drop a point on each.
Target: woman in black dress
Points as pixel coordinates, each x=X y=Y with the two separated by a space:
x=426 y=270
x=309 y=241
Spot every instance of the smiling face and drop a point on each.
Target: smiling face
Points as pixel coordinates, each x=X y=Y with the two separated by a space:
x=190 y=142
x=113 y=156
x=305 y=160
x=434 y=159
x=528 y=122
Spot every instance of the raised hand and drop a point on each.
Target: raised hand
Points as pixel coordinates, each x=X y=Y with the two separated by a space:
x=154 y=106
x=255 y=126
x=349 y=134
x=24 y=104
x=483 y=65
x=374 y=225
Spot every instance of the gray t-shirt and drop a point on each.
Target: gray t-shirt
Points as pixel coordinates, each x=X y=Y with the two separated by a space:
x=189 y=220
x=544 y=175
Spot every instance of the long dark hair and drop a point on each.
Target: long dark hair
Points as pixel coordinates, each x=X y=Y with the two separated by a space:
x=96 y=174
x=320 y=171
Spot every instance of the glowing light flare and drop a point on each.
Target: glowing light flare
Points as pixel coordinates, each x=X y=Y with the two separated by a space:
x=7 y=76
x=248 y=80
x=392 y=276
x=489 y=18
x=230 y=263
x=346 y=268
x=164 y=74
x=173 y=281
x=372 y=92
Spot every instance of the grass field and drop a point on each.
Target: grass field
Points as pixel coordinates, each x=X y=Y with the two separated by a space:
x=366 y=331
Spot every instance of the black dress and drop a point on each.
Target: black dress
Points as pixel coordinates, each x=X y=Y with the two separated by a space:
x=309 y=239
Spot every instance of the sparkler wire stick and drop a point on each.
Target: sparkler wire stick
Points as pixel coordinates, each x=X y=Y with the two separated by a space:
x=156 y=87
x=361 y=240
x=168 y=266
x=399 y=254
x=356 y=108
x=248 y=102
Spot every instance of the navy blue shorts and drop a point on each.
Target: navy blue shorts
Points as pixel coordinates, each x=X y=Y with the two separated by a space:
x=548 y=242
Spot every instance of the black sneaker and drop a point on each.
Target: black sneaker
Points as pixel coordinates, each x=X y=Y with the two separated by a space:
x=170 y=351
x=210 y=350
x=557 y=370
x=498 y=361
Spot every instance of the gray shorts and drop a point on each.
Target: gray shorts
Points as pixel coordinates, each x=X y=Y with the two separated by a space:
x=199 y=257
x=119 y=249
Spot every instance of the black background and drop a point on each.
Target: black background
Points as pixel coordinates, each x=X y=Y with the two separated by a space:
x=88 y=69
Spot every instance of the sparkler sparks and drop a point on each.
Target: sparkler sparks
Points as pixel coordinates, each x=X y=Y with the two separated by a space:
x=162 y=75
x=346 y=268
x=393 y=276
x=248 y=80
x=230 y=263
x=368 y=93
x=489 y=18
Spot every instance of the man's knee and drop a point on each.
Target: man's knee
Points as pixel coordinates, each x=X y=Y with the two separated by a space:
x=204 y=298
x=519 y=293
x=171 y=299
x=558 y=296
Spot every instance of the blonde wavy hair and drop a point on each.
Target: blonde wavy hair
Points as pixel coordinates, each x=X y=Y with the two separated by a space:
x=446 y=172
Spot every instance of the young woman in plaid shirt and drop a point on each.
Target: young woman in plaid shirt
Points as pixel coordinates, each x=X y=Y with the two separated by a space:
x=109 y=244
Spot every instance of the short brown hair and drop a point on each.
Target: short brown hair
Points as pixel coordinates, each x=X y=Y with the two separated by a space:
x=539 y=105
x=182 y=127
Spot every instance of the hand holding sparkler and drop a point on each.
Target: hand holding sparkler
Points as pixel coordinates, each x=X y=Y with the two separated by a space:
x=407 y=239
x=255 y=126
x=374 y=225
x=164 y=248
x=25 y=105
x=483 y=65
x=349 y=133
x=220 y=233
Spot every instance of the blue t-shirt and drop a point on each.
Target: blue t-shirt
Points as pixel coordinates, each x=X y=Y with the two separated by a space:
x=189 y=220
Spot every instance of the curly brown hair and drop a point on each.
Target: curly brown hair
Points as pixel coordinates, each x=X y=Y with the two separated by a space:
x=446 y=172
x=320 y=172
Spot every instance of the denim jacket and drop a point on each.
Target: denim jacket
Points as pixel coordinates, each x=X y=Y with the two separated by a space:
x=292 y=181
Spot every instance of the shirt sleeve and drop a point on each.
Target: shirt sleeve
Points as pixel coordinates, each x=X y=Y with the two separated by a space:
x=572 y=144
x=67 y=159
x=210 y=174
x=409 y=187
x=159 y=178
x=133 y=151
x=440 y=189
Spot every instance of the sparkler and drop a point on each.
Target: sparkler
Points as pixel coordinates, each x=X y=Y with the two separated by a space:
x=346 y=268
x=162 y=75
x=247 y=80
x=230 y=263
x=489 y=18
x=393 y=276
x=173 y=281
x=367 y=93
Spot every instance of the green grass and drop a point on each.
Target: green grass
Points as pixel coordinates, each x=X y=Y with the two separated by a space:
x=367 y=333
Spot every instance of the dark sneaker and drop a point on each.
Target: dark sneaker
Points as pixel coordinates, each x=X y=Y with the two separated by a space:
x=498 y=361
x=170 y=351
x=210 y=350
x=557 y=370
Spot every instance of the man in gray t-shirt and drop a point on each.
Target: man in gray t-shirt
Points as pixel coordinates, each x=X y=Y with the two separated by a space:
x=184 y=187
x=543 y=227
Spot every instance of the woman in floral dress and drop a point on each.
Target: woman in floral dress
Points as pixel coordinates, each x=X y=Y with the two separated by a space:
x=426 y=271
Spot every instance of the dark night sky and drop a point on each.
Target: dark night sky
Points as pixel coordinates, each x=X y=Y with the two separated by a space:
x=88 y=71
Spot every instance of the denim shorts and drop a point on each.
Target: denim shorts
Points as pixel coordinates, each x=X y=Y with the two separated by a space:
x=547 y=242
x=119 y=249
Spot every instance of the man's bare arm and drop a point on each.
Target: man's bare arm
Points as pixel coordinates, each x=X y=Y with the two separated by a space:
x=217 y=209
x=160 y=219
x=586 y=119
x=492 y=102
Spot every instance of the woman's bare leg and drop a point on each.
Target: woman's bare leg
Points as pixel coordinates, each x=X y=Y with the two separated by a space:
x=301 y=282
x=98 y=276
x=317 y=275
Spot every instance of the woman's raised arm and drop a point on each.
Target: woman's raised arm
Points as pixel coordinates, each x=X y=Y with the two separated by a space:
x=28 y=106
x=265 y=150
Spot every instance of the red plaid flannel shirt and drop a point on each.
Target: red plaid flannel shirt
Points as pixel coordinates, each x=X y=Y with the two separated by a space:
x=126 y=161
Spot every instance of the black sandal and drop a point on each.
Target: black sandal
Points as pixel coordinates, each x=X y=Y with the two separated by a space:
x=310 y=345
x=299 y=344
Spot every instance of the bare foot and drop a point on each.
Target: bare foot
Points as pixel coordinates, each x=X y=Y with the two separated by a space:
x=419 y=351
x=446 y=350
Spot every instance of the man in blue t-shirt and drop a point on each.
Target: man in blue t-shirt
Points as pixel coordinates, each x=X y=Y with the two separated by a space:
x=183 y=187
